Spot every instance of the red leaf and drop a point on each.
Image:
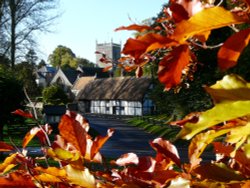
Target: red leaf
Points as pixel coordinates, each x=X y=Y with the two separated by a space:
x=167 y=149
x=73 y=132
x=139 y=72
x=5 y=147
x=231 y=50
x=22 y=113
x=178 y=12
x=171 y=66
x=139 y=28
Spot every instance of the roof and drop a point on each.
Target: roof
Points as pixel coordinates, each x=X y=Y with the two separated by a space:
x=71 y=74
x=82 y=82
x=120 y=88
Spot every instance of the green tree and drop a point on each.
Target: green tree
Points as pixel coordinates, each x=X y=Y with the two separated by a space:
x=62 y=56
x=25 y=73
x=54 y=95
x=11 y=98
x=84 y=62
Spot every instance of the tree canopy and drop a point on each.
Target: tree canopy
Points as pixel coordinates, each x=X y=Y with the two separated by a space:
x=64 y=57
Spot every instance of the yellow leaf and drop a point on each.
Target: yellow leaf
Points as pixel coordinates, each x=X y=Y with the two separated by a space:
x=78 y=177
x=48 y=178
x=230 y=88
x=219 y=113
x=203 y=21
x=8 y=164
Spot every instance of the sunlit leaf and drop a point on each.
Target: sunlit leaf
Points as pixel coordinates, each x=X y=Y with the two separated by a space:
x=126 y=159
x=8 y=163
x=139 y=28
x=18 y=179
x=78 y=177
x=199 y=144
x=192 y=7
x=22 y=113
x=167 y=149
x=231 y=88
x=139 y=72
x=171 y=66
x=107 y=68
x=219 y=113
x=146 y=43
x=217 y=172
x=5 y=147
x=205 y=20
x=229 y=53
x=52 y=171
x=99 y=142
x=30 y=135
x=72 y=131
x=179 y=183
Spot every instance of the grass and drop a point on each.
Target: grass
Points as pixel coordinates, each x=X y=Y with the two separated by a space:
x=156 y=125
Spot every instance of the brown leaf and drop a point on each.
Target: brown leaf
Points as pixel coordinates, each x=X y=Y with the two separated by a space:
x=229 y=53
x=171 y=66
x=72 y=131
x=178 y=12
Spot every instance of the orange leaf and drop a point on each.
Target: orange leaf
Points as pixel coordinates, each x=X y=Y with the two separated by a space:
x=17 y=179
x=30 y=135
x=5 y=147
x=107 y=68
x=171 y=66
x=99 y=141
x=146 y=43
x=22 y=113
x=72 y=131
x=139 y=28
x=167 y=149
x=205 y=20
x=232 y=48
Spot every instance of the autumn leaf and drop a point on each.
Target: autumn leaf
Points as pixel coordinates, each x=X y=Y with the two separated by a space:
x=139 y=28
x=219 y=113
x=72 y=131
x=205 y=20
x=229 y=53
x=30 y=135
x=107 y=68
x=19 y=179
x=99 y=142
x=200 y=142
x=231 y=88
x=8 y=163
x=50 y=174
x=171 y=66
x=148 y=42
x=167 y=149
x=126 y=159
x=178 y=12
x=78 y=177
x=217 y=172
x=5 y=147
x=22 y=113
x=139 y=72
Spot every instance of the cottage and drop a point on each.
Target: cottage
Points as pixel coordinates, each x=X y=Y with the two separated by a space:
x=44 y=75
x=118 y=96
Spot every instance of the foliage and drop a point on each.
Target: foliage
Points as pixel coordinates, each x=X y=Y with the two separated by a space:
x=24 y=72
x=11 y=97
x=185 y=25
x=64 y=57
x=55 y=95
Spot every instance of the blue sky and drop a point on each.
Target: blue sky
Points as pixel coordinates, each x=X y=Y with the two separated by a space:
x=84 y=22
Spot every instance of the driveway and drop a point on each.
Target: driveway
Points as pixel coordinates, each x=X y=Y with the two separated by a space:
x=125 y=139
